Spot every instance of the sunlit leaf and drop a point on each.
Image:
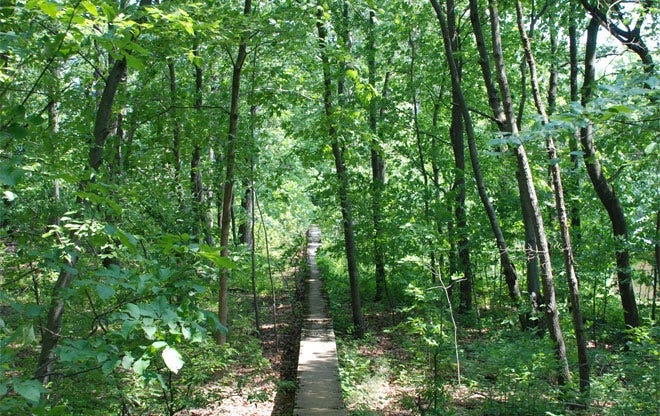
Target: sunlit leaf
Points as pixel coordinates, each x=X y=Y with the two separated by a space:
x=173 y=360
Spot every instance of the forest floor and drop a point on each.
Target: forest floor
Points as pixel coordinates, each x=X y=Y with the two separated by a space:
x=252 y=387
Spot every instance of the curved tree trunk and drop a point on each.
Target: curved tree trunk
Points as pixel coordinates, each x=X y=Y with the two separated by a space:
x=604 y=189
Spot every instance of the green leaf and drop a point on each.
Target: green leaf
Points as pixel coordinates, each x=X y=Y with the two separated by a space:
x=213 y=255
x=49 y=8
x=134 y=62
x=9 y=174
x=109 y=366
x=105 y=291
x=30 y=389
x=91 y=9
x=150 y=331
x=651 y=148
x=127 y=361
x=33 y=310
x=173 y=359
x=127 y=239
x=133 y=310
x=140 y=365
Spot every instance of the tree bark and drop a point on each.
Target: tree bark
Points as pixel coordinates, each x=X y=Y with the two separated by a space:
x=230 y=161
x=569 y=261
x=342 y=176
x=604 y=189
x=458 y=187
x=574 y=189
x=176 y=135
x=509 y=270
x=630 y=38
x=551 y=311
x=377 y=168
x=525 y=172
x=104 y=113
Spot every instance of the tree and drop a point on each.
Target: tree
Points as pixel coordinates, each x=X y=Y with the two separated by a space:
x=569 y=261
x=377 y=163
x=230 y=162
x=338 y=154
x=604 y=189
x=523 y=166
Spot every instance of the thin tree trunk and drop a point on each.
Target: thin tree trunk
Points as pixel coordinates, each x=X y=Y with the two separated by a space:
x=342 y=176
x=270 y=273
x=458 y=149
x=377 y=168
x=569 y=261
x=526 y=175
x=523 y=165
x=230 y=161
x=253 y=264
x=176 y=135
x=604 y=189
x=657 y=264
x=52 y=332
x=531 y=258
x=510 y=273
x=574 y=139
x=420 y=154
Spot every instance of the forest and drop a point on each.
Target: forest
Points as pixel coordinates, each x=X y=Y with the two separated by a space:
x=484 y=173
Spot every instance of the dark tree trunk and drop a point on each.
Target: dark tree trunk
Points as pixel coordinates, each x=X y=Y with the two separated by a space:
x=604 y=189
x=377 y=169
x=176 y=136
x=531 y=256
x=104 y=113
x=458 y=148
x=342 y=176
x=573 y=144
x=245 y=236
x=228 y=193
x=52 y=332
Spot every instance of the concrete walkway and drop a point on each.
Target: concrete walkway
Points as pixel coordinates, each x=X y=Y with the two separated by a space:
x=319 y=391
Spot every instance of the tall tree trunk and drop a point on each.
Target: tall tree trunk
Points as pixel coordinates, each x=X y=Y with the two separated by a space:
x=551 y=311
x=604 y=189
x=510 y=273
x=342 y=176
x=176 y=135
x=202 y=223
x=377 y=167
x=569 y=262
x=230 y=161
x=531 y=256
x=573 y=143
x=52 y=332
x=458 y=188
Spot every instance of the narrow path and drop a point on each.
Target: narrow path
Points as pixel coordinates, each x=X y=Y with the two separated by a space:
x=319 y=391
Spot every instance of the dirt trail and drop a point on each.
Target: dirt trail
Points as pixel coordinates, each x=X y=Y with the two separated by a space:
x=319 y=391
